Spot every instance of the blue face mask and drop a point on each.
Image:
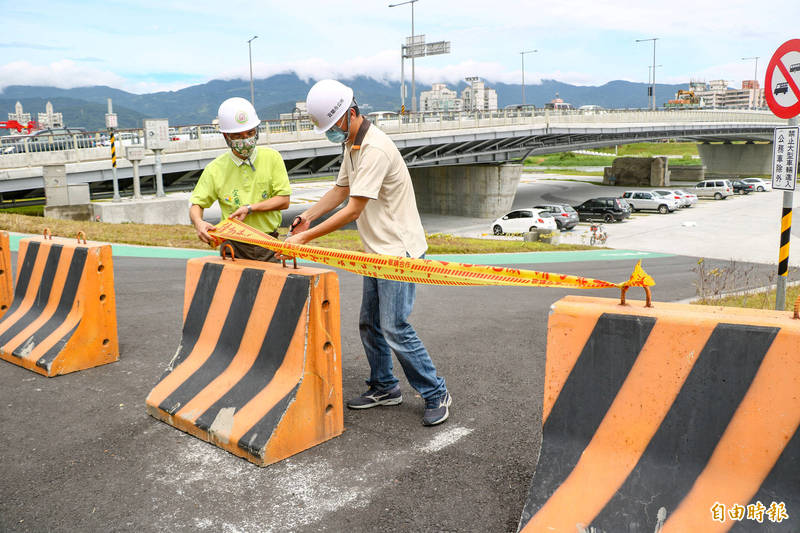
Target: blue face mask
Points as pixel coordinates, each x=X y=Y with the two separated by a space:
x=336 y=135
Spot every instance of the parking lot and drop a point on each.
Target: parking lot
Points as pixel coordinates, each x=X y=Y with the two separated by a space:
x=740 y=227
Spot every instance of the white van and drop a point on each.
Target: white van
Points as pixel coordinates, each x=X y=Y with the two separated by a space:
x=717 y=189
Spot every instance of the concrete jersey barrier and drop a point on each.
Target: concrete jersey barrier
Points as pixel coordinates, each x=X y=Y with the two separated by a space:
x=258 y=370
x=672 y=419
x=6 y=286
x=63 y=316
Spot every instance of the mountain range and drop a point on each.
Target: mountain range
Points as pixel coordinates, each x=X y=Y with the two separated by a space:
x=86 y=106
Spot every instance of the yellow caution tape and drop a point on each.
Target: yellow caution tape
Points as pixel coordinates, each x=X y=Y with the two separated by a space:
x=412 y=270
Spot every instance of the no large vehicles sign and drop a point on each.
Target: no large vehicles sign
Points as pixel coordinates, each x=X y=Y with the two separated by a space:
x=782 y=84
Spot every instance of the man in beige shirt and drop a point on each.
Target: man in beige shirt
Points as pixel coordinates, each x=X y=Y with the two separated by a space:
x=375 y=178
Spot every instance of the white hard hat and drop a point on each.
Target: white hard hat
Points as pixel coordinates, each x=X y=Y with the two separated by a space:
x=236 y=115
x=327 y=102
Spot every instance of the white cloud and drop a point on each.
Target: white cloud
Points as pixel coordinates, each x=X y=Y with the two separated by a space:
x=67 y=74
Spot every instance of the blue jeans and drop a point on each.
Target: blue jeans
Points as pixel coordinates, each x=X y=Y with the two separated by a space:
x=385 y=306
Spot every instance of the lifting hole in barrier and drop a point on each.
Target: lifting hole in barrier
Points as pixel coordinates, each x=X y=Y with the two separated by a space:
x=227 y=246
x=81 y=235
x=327 y=348
x=328 y=409
x=102 y=297
x=2 y=271
x=325 y=304
x=3 y=307
x=105 y=342
x=100 y=268
x=648 y=296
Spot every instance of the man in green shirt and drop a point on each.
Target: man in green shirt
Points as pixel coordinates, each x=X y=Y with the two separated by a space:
x=249 y=182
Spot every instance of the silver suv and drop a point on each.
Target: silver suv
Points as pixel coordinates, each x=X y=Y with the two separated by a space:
x=566 y=217
x=717 y=189
x=650 y=200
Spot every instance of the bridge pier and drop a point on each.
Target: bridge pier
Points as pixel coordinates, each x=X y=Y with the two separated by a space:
x=482 y=191
x=735 y=160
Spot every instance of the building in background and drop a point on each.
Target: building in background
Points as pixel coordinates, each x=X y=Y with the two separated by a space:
x=300 y=112
x=18 y=115
x=440 y=99
x=478 y=97
x=49 y=119
x=716 y=94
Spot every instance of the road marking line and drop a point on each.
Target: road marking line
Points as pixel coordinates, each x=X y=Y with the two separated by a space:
x=445 y=438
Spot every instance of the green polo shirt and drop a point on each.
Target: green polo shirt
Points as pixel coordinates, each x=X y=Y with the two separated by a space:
x=235 y=185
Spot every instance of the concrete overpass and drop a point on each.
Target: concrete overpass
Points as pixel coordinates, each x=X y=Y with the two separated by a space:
x=482 y=141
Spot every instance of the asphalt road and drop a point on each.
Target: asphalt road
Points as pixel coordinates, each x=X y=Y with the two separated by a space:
x=79 y=453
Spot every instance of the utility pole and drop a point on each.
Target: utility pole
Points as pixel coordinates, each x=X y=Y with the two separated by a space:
x=413 y=47
x=522 y=55
x=755 y=80
x=250 y=52
x=653 y=87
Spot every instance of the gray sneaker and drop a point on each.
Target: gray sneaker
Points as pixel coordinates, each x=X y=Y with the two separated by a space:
x=374 y=397
x=437 y=409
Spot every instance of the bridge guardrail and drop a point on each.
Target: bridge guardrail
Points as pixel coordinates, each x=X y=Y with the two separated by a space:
x=95 y=145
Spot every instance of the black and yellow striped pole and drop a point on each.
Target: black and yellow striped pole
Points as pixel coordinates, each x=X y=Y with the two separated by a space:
x=111 y=123
x=783 y=253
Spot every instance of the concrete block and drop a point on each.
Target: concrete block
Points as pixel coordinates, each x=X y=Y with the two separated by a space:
x=168 y=211
x=542 y=235
x=69 y=212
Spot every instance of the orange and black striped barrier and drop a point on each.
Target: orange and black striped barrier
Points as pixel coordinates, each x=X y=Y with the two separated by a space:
x=6 y=286
x=674 y=418
x=63 y=316
x=258 y=371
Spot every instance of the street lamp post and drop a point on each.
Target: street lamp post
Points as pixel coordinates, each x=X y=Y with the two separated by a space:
x=653 y=87
x=413 y=44
x=250 y=52
x=755 y=80
x=522 y=55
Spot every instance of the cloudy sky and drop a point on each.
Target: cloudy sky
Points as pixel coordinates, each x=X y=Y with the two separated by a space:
x=148 y=45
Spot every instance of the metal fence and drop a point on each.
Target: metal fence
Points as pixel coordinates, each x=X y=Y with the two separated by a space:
x=302 y=129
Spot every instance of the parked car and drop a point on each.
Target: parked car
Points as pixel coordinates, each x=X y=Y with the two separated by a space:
x=717 y=189
x=741 y=187
x=565 y=216
x=523 y=220
x=758 y=184
x=605 y=207
x=684 y=198
x=640 y=200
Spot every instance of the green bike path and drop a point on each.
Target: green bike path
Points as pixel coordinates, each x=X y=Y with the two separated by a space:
x=606 y=254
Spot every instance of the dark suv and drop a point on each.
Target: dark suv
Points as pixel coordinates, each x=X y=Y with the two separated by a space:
x=740 y=187
x=606 y=208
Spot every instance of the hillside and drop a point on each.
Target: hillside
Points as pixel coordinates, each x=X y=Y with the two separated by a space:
x=86 y=106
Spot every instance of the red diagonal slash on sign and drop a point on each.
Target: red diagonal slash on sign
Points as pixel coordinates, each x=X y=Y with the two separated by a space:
x=777 y=62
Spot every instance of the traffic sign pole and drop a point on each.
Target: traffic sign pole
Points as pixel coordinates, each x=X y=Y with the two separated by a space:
x=786 y=235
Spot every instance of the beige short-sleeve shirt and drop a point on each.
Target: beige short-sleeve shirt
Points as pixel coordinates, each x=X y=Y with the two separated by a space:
x=374 y=168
